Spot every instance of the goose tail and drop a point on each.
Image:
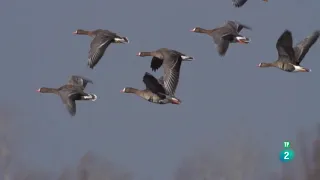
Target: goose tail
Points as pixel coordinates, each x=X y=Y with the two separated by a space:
x=91 y=97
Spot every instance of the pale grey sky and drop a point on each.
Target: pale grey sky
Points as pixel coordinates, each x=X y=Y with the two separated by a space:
x=38 y=49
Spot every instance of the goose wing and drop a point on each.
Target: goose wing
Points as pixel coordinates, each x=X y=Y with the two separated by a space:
x=284 y=47
x=222 y=47
x=79 y=81
x=98 y=47
x=153 y=84
x=302 y=48
x=68 y=94
x=171 y=65
x=237 y=26
x=238 y=3
x=156 y=63
x=69 y=103
x=220 y=33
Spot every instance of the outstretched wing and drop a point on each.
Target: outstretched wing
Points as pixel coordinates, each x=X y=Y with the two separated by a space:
x=238 y=3
x=71 y=107
x=171 y=66
x=98 y=47
x=156 y=63
x=302 y=48
x=79 y=81
x=284 y=47
x=237 y=25
x=153 y=84
x=222 y=47
x=70 y=104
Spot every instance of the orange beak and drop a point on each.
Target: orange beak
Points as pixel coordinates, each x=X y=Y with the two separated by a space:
x=265 y=0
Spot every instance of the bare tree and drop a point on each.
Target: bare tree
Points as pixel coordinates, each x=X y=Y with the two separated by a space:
x=302 y=151
x=238 y=159
x=305 y=169
x=316 y=156
x=38 y=175
x=67 y=174
x=92 y=166
x=5 y=149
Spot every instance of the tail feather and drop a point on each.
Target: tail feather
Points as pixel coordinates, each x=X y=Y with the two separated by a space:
x=308 y=70
x=121 y=40
x=94 y=97
x=91 y=97
x=243 y=39
x=187 y=58
x=126 y=39
x=171 y=97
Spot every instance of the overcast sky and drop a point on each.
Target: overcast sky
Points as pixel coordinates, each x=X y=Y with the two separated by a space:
x=38 y=49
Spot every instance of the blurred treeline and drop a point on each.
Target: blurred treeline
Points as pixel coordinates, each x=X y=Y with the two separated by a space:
x=241 y=160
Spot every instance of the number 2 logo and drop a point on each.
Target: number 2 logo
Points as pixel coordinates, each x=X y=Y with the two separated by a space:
x=286 y=154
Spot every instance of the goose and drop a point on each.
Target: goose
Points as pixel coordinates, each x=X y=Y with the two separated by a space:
x=101 y=40
x=240 y=3
x=154 y=91
x=225 y=34
x=289 y=58
x=71 y=92
x=171 y=61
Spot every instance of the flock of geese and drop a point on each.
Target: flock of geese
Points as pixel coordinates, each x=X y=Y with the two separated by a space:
x=162 y=90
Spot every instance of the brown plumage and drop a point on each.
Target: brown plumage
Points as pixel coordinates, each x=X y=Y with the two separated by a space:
x=224 y=35
x=154 y=91
x=70 y=92
x=171 y=61
x=289 y=58
x=101 y=40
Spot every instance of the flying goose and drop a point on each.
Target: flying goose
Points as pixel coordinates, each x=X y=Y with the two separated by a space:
x=223 y=35
x=154 y=91
x=289 y=58
x=71 y=92
x=171 y=61
x=101 y=40
x=239 y=3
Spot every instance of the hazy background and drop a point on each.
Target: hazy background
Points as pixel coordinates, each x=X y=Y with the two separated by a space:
x=219 y=95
